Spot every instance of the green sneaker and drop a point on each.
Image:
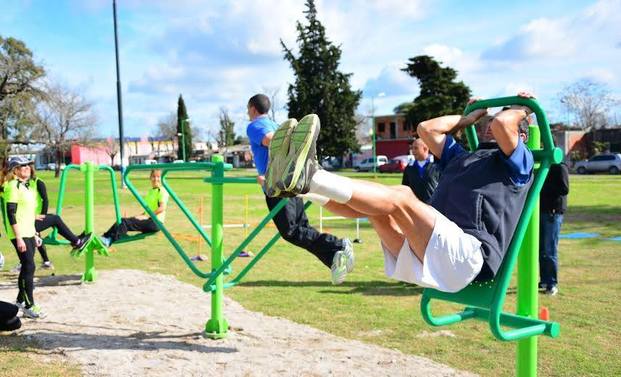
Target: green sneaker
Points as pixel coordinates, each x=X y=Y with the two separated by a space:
x=33 y=312
x=300 y=164
x=278 y=150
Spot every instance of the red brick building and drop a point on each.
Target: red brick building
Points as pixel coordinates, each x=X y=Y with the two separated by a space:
x=393 y=135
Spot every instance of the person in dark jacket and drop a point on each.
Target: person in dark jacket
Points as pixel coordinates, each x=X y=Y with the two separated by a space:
x=553 y=204
x=421 y=175
x=8 y=317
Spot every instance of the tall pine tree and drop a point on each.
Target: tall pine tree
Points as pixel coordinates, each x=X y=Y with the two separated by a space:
x=185 y=129
x=321 y=89
x=439 y=94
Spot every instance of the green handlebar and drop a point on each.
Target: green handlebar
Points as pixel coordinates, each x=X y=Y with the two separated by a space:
x=555 y=155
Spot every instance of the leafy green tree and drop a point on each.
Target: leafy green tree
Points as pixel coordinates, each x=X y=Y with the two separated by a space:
x=440 y=93
x=18 y=77
x=183 y=127
x=321 y=88
x=226 y=136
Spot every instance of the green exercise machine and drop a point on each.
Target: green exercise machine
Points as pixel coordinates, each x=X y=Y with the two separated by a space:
x=484 y=301
x=217 y=326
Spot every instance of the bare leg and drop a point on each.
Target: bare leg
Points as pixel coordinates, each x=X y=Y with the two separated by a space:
x=343 y=210
x=389 y=233
x=415 y=218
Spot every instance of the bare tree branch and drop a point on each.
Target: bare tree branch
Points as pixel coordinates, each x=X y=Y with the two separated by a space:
x=63 y=115
x=589 y=102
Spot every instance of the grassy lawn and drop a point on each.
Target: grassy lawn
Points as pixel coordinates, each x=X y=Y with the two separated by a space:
x=291 y=283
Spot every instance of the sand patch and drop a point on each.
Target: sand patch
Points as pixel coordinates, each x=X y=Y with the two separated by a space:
x=130 y=323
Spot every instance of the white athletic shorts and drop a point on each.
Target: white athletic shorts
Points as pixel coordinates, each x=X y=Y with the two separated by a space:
x=452 y=259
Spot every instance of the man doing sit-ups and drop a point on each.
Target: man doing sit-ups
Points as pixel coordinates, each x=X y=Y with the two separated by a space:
x=463 y=233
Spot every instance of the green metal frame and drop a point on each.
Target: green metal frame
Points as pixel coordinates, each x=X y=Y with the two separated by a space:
x=484 y=301
x=95 y=244
x=52 y=238
x=216 y=326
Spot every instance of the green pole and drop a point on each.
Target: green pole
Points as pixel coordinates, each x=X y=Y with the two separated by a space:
x=53 y=237
x=89 y=204
x=528 y=276
x=217 y=326
x=373 y=146
x=115 y=193
x=183 y=121
x=94 y=244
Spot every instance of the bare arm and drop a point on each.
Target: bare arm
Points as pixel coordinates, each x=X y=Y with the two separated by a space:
x=267 y=139
x=505 y=128
x=433 y=131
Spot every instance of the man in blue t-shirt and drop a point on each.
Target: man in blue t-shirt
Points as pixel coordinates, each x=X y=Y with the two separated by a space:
x=292 y=223
x=464 y=232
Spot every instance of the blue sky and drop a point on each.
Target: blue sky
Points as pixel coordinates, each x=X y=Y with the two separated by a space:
x=219 y=53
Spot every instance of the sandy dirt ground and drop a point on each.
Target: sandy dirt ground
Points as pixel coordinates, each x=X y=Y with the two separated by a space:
x=130 y=323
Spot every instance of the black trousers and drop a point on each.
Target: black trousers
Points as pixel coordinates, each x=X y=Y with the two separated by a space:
x=25 y=280
x=130 y=224
x=293 y=226
x=8 y=317
x=54 y=221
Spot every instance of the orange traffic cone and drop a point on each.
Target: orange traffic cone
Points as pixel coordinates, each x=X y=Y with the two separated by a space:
x=544 y=314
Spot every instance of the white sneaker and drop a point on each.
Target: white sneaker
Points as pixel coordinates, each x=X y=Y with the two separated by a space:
x=342 y=263
x=106 y=241
x=47 y=265
x=552 y=291
x=348 y=250
x=20 y=305
x=33 y=312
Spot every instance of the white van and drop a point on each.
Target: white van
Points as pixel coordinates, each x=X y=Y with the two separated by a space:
x=367 y=164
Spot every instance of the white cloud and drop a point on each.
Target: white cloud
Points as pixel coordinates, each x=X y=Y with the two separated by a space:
x=413 y=9
x=540 y=38
x=601 y=74
x=218 y=53
x=392 y=82
x=594 y=29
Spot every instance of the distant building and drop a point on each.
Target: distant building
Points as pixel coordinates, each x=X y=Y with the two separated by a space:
x=240 y=156
x=135 y=151
x=393 y=135
x=609 y=136
x=573 y=143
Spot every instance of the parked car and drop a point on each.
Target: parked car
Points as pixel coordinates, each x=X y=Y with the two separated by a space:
x=367 y=164
x=607 y=162
x=396 y=165
x=330 y=163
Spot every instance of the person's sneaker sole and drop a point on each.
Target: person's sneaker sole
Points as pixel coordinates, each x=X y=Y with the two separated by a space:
x=303 y=145
x=278 y=150
x=338 y=270
x=348 y=250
